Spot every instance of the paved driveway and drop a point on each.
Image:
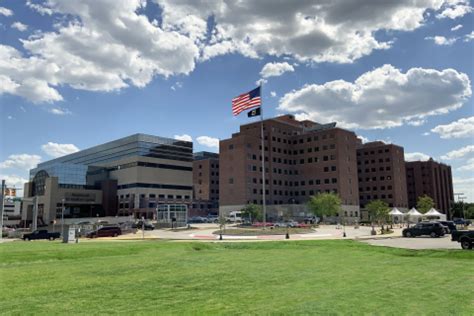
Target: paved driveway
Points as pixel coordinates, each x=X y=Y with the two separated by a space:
x=416 y=243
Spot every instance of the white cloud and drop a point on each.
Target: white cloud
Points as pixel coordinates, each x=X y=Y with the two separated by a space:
x=466 y=186
x=455 y=9
x=10 y=117
x=184 y=137
x=363 y=139
x=109 y=45
x=276 y=69
x=177 y=85
x=416 y=156
x=469 y=37
x=459 y=153
x=43 y=10
x=382 y=98
x=19 y=26
x=457 y=27
x=14 y=181
x=273 y=94
x=426 y=134
x=20 y=161
x=441 y=40
x=60 y=111
x=261 y=81
x=57 y=150
x=5 y=11
x=416 y=122
x=469 y=166
x=101 y=46
x=208 y=141
x=458 y=129
x=326 y=31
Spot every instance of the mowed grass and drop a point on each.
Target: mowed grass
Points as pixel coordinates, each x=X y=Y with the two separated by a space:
x=296 y=277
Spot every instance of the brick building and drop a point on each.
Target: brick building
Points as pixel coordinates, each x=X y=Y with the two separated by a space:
x=381 y=169
x=433 y=179
x=302 y=158
x=205 y=184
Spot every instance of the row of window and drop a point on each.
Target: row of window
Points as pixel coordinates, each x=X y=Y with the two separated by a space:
x=372 y=152
x=382 y=188
x=375 y=196
x=360 y=162
x=381 y=178
x=152 y=196
x=388 y=168
x=294 y=193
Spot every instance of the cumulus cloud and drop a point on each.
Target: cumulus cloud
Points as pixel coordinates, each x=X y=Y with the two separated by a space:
x=326 y=31
x=382 y=98
x=458 y=129
x=6 y=12
x=105 y=46
x=184 y=137
x=459 y=153
x=20 y=161
x=469 y=37
x=14 y=181
x=276 y=69
x=441 y=40
x=457 y=27
x=273 y=94
x=416 y=156
x=363 y=139
x=60 y=111
x=57 y=150
x=466 y=186
x=108 y=45
x=455 y=9
x=19 y=26
x=469 y=166
x=208 y=141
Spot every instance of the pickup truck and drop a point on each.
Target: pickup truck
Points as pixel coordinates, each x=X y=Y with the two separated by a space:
x=465 y=237
x=41 y=234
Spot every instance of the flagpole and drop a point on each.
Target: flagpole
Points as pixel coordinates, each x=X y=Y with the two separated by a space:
x=264 y=202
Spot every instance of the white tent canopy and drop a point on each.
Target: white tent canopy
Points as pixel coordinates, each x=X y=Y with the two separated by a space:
x=433 y=212
x=413 y=212
x=395 y=212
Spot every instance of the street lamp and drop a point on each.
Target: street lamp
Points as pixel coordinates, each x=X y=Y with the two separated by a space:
x=62 y=216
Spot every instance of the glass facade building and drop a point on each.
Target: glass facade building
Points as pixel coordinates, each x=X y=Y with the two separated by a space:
x=73 y=169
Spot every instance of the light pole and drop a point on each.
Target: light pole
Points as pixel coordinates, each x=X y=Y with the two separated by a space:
x=1 y=208
x=62 y=216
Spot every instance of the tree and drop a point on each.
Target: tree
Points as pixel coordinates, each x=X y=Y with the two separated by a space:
x=324 y=204
x=378 y=210
x=424 y=203
x=469 y=212
x=253 y=212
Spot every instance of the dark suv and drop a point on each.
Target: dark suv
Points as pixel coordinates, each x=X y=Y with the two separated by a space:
x=107 y=231
x=433 y=229
x=449 y=225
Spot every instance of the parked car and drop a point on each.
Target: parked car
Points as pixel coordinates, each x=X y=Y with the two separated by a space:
x=461 y=221
x=311 y=220
x=286 y=224
x=197 y=220
x=212 y=218
x=450 y=226
x=465 y=237
x=41 y=234
x=260 y=224
x=433 y=229
x=107 y=231
x=146 y=225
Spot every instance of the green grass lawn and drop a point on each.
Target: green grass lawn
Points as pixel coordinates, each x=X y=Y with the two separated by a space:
x=297 y=277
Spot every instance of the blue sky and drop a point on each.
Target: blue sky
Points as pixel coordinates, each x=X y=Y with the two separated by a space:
x=74 y=74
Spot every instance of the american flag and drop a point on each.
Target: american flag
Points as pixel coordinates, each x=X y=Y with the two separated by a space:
x=245 y=101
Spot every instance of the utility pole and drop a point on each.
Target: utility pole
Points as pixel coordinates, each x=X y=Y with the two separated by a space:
x=62 y=217
x=35 y=214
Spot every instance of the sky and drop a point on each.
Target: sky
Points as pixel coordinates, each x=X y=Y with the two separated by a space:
x=74 y=74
